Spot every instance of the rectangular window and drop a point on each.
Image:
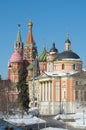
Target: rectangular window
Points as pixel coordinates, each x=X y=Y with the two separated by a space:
x=73 y=66
x=76 y=82
x=76 y=95
x=62 y=66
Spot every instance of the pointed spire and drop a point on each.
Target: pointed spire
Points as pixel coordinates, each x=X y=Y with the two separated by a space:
x=19 y=40
x=18 y=45
x=30 y=36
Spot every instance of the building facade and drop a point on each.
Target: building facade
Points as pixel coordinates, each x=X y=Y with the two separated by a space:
x=51 y=75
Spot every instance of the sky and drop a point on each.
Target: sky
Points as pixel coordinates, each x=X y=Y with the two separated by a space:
x=52 y=20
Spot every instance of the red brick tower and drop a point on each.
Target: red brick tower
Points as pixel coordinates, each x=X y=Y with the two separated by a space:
x=30 y=54
x=16 y=58
x=15 y=63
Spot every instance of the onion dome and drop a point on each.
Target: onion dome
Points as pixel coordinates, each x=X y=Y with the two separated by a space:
x=67 y=55
x=53 y=49
x=43 y=56
x=67 y=41
x=16 y=57
x=30 y=67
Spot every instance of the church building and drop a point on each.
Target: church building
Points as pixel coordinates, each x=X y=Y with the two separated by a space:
x=56 y=80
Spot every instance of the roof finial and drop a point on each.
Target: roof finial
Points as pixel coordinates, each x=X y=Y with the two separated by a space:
x=19 y=26
x=67 y=35
x=30 y=24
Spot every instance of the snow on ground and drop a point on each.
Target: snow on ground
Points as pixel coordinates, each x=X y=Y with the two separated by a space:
x=50 y=128
x=79 y=120
x=26 y=120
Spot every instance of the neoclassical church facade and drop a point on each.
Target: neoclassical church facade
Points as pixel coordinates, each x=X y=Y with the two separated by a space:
x=56 y=80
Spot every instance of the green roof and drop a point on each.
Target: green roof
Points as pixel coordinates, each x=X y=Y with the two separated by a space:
x=30 y=67
x=42 y=57
x=19 y=39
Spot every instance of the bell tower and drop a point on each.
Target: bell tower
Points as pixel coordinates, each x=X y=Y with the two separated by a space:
x=30 y=49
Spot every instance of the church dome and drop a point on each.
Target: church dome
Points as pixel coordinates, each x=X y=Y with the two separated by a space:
x=42 y=57
x=16 y=57
x=67 y=55
x=67 y=41
x=53 y=49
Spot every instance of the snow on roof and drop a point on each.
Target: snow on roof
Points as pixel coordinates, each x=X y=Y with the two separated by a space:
x=59 y=73
x=70 y=59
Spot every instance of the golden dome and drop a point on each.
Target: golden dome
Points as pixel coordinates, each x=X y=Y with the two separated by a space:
x=30 y=23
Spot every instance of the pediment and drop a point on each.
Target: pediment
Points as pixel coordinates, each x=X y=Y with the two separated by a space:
x=43 y=75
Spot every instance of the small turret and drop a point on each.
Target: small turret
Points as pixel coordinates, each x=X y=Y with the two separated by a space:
x=52 y=53
x=67 y=43
x=53 y=50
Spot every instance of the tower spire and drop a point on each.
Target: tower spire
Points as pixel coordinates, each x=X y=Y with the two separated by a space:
x=18 y=45
x=30 y=39
x=19 y=35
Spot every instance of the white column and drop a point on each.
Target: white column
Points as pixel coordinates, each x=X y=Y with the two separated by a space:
x=43 y=91
x=49 y=91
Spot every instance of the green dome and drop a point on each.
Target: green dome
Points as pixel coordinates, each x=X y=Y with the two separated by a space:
x=42 y=57
x=30 y=67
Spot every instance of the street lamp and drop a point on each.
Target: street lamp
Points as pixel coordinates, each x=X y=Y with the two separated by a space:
x=83 y=117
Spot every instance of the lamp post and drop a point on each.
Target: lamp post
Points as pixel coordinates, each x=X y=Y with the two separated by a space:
x=83 y=117
x=67 y=99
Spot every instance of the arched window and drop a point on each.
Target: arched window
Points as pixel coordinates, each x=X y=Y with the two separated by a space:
x=19 y=44
x=62 y=66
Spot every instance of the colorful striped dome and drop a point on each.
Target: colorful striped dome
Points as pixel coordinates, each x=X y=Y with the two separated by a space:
x=42 y=57
x=16 y=57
